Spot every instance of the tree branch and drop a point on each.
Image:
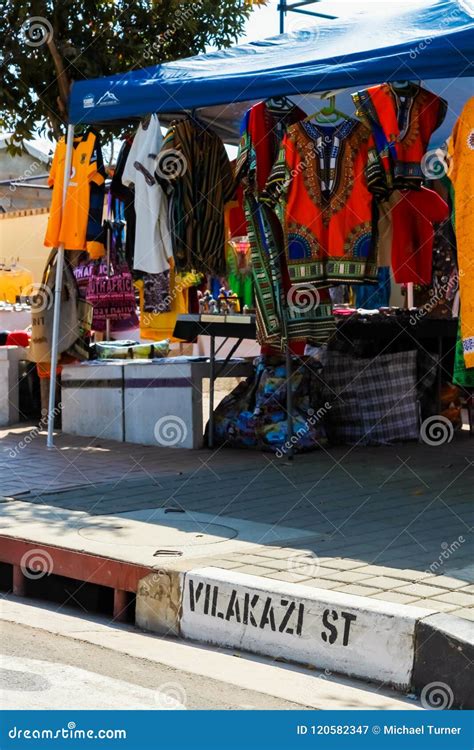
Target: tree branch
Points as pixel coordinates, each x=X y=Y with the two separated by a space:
x=62 y=77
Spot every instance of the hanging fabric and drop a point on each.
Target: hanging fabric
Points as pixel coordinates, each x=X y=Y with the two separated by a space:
x=80 y=226
x=461 y=173
x=413 y=214
x=261 y=134
x=126 y=195
x=402 y=119
x=153 y=246
x=110 y=290
x=194 y=170
x=319 y=189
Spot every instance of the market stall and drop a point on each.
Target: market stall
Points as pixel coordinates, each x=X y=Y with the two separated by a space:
x=310 y=181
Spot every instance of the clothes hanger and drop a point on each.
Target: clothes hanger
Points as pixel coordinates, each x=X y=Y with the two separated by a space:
x=328 y=114
x=404 y=85
x=279 y=103
x=197 y=120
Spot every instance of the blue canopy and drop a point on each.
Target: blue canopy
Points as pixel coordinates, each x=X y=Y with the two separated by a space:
x=422 y=40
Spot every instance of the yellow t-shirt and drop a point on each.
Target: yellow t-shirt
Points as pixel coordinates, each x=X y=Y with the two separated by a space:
x=71 y=228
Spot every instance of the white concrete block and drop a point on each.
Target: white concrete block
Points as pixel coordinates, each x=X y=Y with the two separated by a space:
x=351 y=635
x=9 y=384
x=92 y=400
x=163 y=405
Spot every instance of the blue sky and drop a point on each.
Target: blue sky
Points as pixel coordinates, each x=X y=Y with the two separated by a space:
x=264 y=21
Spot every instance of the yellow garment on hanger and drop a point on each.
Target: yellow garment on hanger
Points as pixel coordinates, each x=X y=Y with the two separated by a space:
x=71 y=228
x=461 y=173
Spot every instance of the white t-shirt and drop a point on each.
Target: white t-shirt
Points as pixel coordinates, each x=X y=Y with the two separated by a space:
x=153 y=246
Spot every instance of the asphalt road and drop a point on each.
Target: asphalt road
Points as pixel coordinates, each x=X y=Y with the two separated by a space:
x=51 y=659
x=43 y=671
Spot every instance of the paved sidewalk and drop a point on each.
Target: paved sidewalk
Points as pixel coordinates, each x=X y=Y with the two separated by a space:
x=392 y=523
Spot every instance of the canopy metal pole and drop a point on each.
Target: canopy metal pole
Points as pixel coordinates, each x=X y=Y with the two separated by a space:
x=289 y=400
x=282 y=9
x=57 y=293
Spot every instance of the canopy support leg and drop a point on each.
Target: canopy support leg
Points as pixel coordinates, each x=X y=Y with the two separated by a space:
x=289 y=401
x=57 y=294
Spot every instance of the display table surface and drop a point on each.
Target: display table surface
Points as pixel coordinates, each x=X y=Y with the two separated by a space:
x=417 y=326
x=151 y=402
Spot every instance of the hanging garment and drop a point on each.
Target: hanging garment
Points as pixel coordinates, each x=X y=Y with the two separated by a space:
x=127 y=196
x=320 y=191
x=194 y=171
x=461 y=173
x=462 y=375
x=413 y=213
x=157 y=325
x=239 y=271
x=372 y=297
x=153 y=246
x=439 y=297
x=156 y=292
x=402 y=120
x=235 y=214
x=261 y=133
x=80 y=226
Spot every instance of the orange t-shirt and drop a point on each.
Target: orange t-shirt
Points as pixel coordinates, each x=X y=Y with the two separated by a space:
x=71 y=228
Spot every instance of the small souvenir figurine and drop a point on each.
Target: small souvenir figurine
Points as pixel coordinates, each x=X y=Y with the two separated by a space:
x=233 y=302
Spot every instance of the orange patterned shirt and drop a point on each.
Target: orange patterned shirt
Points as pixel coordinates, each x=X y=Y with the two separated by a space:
x=319 y=188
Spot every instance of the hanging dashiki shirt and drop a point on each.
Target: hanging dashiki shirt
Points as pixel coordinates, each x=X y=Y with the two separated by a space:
x=261 y=134
x=402 y=120
x=194 y=170
x=461 y=173
x=320 y=191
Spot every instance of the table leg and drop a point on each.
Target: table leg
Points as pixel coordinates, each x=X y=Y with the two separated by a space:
x=439 y=374
x=212 y=374
x=289 y=402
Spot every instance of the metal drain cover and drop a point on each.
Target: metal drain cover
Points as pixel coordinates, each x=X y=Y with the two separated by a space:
x=172 y=533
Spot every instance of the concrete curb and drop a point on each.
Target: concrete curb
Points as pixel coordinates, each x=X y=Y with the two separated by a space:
x=355 y=636
x=444 y=658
